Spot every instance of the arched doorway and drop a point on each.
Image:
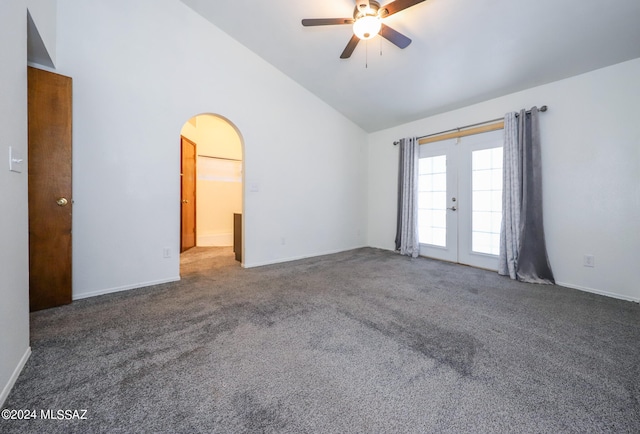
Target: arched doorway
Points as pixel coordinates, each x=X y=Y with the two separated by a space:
x=211 y=185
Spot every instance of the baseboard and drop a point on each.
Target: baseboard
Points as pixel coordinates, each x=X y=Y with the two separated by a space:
x=123 y=288
x=296 y=258
x=14 y=377
x=215 y=240
x=599 y=292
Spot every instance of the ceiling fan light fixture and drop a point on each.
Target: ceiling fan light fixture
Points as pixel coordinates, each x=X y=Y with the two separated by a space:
x=367 y=27
x=367 y=23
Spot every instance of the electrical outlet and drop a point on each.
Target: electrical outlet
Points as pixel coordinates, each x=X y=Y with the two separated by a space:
x=166 y=252
x=589 y=261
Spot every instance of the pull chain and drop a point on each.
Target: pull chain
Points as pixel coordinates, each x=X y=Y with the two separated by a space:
x=366 y=53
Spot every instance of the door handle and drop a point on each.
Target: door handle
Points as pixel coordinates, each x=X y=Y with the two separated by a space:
x=62 y=201
x=185 y=201
x=453 y=208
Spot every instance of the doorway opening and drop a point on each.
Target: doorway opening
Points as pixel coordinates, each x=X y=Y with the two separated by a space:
x=211 y=192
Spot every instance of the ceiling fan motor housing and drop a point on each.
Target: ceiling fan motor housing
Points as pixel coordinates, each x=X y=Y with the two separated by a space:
x=361 y=9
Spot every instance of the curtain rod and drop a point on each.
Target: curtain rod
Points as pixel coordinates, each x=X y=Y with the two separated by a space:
x=218 y=158
x=542 y=109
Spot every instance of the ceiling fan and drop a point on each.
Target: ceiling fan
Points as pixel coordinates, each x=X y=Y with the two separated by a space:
x=367 y=23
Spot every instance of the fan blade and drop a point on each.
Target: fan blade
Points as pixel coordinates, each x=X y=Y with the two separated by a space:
x=394 y=36
x=326 y=21
x=397 y=6
x=350 y=47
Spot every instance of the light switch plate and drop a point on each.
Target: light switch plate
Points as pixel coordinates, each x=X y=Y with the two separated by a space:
x=16 y=161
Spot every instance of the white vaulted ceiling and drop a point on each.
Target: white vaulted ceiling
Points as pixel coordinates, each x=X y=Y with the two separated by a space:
x=463 y=51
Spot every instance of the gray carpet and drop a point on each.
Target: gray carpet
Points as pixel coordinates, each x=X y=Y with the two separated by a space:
x=364 y=341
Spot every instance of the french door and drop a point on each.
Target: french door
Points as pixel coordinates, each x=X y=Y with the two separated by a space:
x=460 y=199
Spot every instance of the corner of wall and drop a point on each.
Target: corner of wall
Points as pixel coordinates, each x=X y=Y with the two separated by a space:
x=42 y=30
x=4 y=394
x=14 y=241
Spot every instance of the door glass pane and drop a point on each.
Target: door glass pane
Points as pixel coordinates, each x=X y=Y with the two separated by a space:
x=432 y=201
x=486 y=200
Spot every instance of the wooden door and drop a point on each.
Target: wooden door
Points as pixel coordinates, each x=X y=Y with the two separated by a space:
x=50 y=200
x=187 y=194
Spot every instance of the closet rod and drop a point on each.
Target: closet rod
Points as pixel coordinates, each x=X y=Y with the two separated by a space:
x=542 y=109
x=219 y=158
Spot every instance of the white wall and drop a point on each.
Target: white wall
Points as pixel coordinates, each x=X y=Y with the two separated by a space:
x=591 y=174
x=14 y=237
x=216 y=203
x=141 y=70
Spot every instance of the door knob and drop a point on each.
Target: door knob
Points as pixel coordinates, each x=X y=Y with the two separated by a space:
x=62 y=201
x=185 y=201
x=453 y=208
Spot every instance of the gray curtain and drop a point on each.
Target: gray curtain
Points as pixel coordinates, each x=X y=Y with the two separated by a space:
x=523 y=252
x=407 y=220
x=511 y=199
